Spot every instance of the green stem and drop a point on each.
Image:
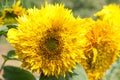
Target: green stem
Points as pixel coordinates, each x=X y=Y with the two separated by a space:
x=6 y=3
x=3 y=65
x=40 y=77
x=14 y=2
x=2 y=3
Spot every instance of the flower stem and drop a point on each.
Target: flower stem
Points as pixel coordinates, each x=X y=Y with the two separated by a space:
x=14 y=2
x=40 y=77
x=3 y=65
x=6 y=3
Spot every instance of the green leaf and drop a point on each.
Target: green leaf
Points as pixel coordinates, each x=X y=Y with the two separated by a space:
x=114 y=72
x=11 y=53
x=10 y=56
x=5 y=57
x=81 y=74
x=3 y=30
x=15 y=73
x=11 y=26
x=78 y=74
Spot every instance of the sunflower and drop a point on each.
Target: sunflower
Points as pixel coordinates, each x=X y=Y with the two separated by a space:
x=48 y=40
x=101 y=50
x=9 y=14
x=110 y=13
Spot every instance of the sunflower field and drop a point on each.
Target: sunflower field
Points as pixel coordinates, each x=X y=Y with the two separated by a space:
x=59 y=39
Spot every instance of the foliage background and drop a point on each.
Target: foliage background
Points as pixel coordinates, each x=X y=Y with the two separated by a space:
x=82 y=8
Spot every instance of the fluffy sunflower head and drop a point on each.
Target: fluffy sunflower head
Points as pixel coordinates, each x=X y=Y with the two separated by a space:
x=48 y=40
x=9 y=15
x=110 y=13
x=101 y=50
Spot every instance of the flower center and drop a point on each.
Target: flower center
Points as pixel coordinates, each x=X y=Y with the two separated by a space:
x=9 y=14
x=51 y=44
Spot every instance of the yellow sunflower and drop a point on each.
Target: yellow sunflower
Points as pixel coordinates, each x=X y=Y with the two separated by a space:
x=48 y=40
x=101 y=50
x=9 y=15
x=110 y=13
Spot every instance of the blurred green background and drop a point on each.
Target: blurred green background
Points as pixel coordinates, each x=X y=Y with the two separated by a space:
x=82 y=8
